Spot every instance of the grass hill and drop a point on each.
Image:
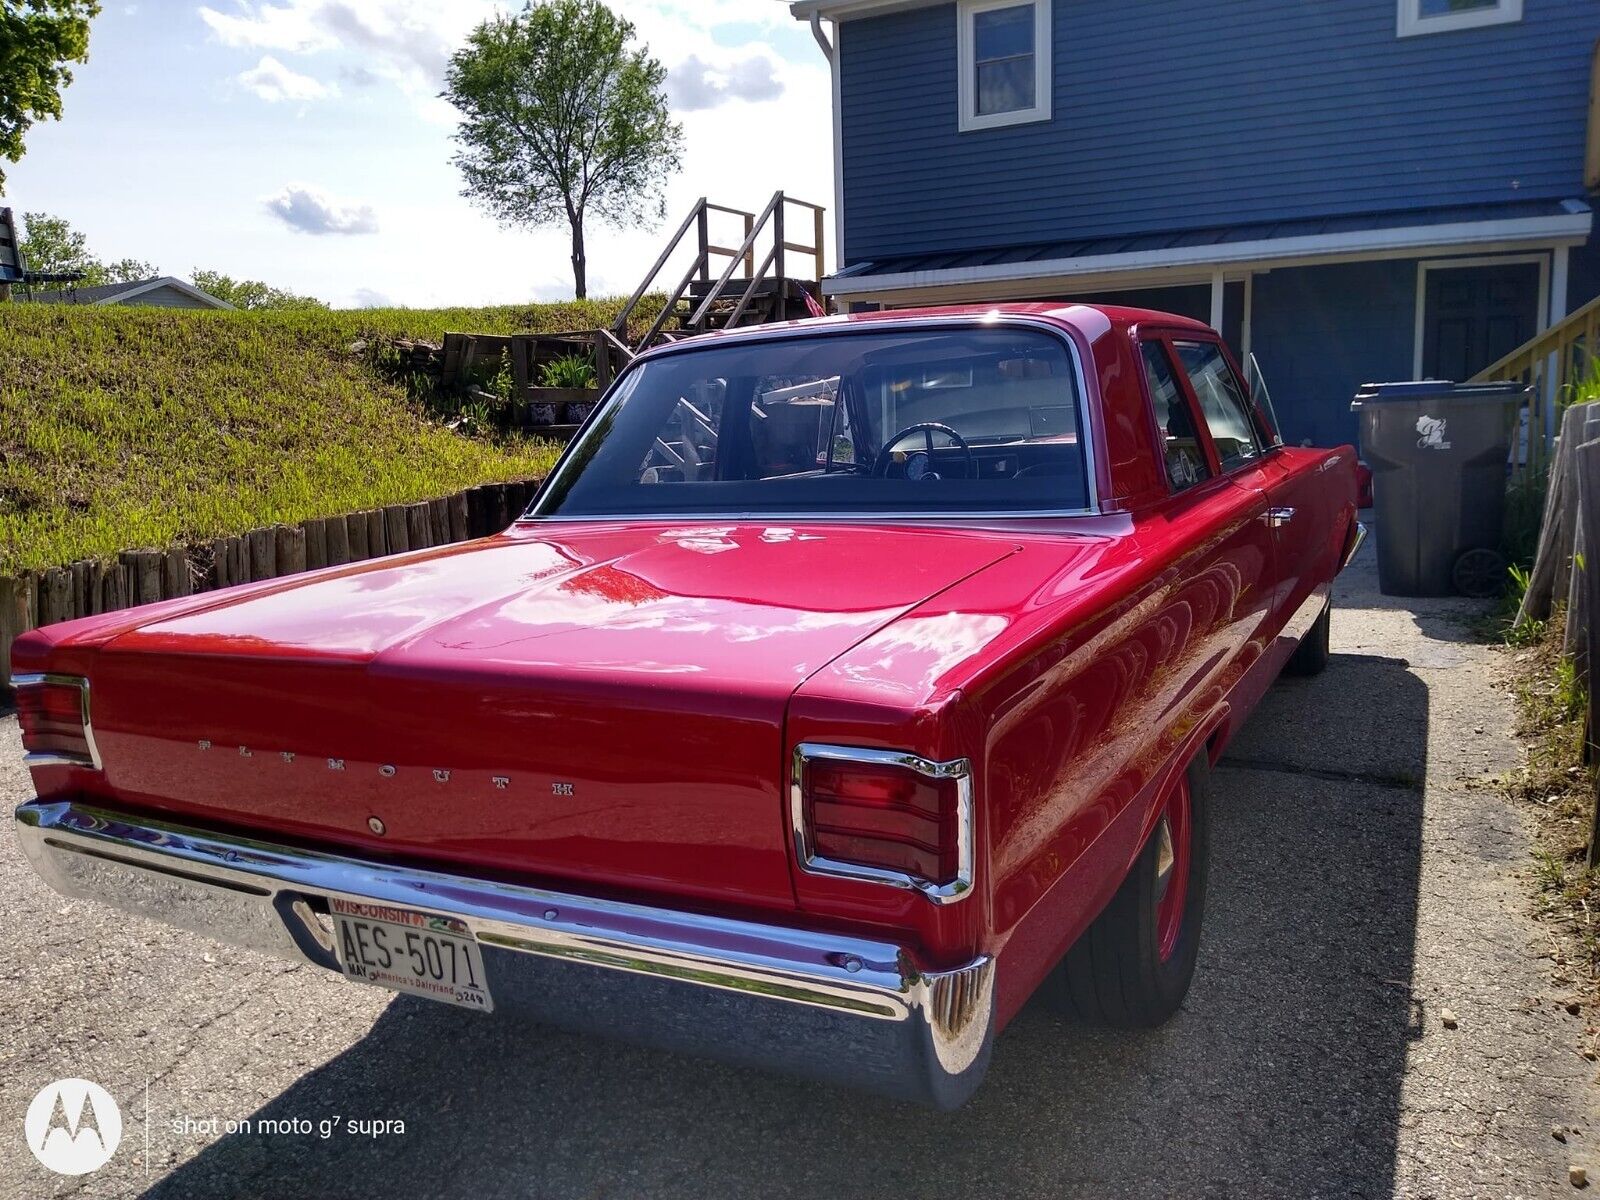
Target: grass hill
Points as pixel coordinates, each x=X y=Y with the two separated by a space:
x=131 y=427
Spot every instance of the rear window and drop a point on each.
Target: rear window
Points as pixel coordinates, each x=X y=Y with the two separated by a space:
x=961 y=420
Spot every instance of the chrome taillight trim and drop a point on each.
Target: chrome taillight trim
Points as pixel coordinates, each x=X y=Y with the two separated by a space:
x=959 y=769
x=51 y=679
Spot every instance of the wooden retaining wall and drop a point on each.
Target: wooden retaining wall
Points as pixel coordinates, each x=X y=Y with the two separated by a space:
x=84 y=589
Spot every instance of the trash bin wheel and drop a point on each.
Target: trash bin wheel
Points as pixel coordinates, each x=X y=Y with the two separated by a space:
x=1480 y=574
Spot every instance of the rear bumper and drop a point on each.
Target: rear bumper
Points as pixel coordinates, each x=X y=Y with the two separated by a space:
x=840 y=1009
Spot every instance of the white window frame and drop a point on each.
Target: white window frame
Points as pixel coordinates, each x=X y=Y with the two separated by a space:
x=966 y=65
x=1412 y=23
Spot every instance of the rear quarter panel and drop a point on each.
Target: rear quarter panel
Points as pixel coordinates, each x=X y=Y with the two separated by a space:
x=1077 y=674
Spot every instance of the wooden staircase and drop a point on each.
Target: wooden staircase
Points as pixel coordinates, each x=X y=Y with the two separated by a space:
x=745 y=292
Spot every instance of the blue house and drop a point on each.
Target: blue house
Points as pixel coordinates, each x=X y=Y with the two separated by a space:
x=1351 y=190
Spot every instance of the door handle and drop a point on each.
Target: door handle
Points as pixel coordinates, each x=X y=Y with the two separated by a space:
x=1277 y=518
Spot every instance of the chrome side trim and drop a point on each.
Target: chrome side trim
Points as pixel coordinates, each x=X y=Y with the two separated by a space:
x=18 y=682
x=257 y=894
x=1355 y=545
x=993 y=517
x=959 y=769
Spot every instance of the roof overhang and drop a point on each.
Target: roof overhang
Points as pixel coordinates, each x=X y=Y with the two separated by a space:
x=1200 y=263
x=838 y=10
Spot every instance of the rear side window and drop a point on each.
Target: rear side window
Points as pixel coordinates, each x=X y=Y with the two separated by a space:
x=1223 y=405
x=1186 y=461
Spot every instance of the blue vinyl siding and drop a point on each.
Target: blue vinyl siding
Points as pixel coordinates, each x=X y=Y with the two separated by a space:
x=1321 y=332
x=1172 y=116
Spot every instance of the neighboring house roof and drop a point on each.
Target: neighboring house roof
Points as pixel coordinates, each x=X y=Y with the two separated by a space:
x=122 y=293
x=1271 y=243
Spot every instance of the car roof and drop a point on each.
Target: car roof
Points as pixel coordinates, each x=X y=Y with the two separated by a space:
x=1088 y=319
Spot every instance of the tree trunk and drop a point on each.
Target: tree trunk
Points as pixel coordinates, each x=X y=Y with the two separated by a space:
x=580 y=262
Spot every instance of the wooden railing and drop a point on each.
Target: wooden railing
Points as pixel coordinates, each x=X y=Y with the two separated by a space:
x=1554 y=363
x=774 y=265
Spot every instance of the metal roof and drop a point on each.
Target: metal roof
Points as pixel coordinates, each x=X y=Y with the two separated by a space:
x=1191 y=244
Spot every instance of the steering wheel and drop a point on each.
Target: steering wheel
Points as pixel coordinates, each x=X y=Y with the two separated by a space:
x=927 y=429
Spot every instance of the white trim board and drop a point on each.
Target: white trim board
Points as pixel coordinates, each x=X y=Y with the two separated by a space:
x=1541 y=317
x=1409 y=21
x=836 y=70
x=969 y=120
x=1520 y=233
x=833 y=10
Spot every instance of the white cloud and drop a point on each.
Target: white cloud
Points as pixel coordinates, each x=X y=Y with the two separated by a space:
x=695 y=84
x=310 y=210
x=406 y=42
x=370 y=298
x=285 y=26
x=273 y=81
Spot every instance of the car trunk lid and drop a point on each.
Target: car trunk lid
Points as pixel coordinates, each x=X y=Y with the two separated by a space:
x=601 y=703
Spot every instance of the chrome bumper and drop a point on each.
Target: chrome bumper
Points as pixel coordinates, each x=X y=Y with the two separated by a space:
x=841 y=1009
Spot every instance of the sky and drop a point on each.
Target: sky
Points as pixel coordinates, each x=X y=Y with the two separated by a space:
x=304 y=143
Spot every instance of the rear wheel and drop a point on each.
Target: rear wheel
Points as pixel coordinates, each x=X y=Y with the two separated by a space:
x=1132 y=967
x=1311 y=656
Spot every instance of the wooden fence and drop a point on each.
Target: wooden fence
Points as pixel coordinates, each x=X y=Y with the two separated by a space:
x=84 y=589
x=1568 y=564
x=456 y=364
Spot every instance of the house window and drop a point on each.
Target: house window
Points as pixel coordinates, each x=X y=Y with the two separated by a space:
x=1004 y=48
x=1441 y=16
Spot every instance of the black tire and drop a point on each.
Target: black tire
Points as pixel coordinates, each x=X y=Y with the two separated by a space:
x=1115 y=974
x=1311 y=656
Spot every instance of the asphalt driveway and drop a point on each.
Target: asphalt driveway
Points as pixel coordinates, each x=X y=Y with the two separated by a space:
x=1364 y=881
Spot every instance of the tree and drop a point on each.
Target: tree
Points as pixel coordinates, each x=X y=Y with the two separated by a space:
x=562 y=117
x=52 y=246
x=129 y=270
x=250 y=293
x=37 y=39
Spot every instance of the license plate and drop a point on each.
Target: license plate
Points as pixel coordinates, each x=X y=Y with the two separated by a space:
x=418 y=953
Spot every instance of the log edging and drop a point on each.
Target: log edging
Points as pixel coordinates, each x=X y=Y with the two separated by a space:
x=34 y=599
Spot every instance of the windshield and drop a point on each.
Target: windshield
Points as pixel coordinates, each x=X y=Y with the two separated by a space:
x=907 y=422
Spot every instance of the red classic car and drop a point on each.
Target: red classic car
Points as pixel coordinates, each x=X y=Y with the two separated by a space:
x=847 y=683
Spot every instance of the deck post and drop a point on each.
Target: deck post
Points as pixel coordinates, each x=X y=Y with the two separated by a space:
x=1560 y=265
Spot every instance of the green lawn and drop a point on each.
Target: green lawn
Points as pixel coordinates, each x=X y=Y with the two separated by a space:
x=131 y=427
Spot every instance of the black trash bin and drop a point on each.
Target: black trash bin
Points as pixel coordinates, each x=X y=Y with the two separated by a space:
x=1438 y=453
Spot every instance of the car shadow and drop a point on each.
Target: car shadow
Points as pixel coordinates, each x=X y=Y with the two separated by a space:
x=1282 y=1075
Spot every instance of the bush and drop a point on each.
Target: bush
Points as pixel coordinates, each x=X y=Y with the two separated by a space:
x=568 y=371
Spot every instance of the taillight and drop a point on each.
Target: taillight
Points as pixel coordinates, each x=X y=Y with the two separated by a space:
x=53 y=711
x=884 y=816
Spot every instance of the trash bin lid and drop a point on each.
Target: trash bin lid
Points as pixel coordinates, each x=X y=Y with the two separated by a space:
x=1440 y=389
